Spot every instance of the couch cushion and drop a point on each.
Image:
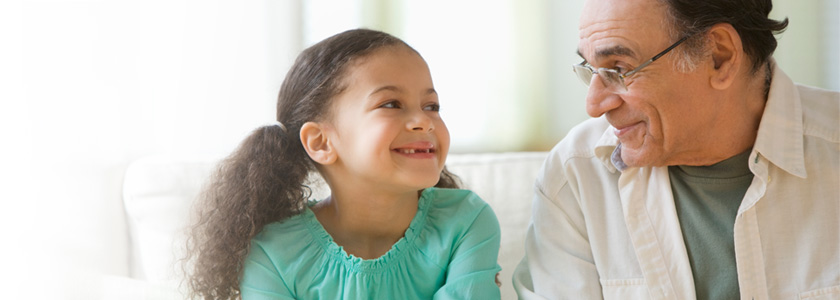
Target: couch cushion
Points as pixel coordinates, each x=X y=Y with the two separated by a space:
x=158 y=193
x=506 y=182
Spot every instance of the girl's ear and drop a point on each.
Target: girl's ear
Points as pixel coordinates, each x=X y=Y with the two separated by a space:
x=317 y=143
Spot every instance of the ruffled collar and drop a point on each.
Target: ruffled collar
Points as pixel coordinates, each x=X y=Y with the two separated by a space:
x=396 y=252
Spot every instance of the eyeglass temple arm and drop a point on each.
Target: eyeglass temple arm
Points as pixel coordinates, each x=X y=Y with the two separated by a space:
x=657 y=56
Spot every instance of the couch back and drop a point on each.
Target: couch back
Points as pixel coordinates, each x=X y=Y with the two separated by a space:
x=158 y=195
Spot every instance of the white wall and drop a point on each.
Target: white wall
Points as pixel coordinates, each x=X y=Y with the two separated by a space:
x=808 y=50
x=97 y=84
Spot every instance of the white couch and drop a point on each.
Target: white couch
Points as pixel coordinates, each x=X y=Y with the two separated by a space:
x=158 y=193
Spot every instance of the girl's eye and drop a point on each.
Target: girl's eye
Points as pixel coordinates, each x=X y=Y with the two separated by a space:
x=432 y=107
x=391 y=104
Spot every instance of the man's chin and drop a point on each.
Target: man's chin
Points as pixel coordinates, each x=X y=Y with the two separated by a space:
x=637 y=157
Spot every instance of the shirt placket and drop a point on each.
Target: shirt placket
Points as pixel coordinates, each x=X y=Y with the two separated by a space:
x=749 y=256
x=654 y=231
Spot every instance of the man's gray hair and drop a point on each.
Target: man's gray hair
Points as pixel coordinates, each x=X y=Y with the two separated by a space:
x=748 y=17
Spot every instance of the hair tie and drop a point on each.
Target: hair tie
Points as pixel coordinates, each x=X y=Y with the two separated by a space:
x=282 y=127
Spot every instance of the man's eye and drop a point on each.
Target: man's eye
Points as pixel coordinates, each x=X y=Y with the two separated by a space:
x=432 y=107
x=391 y=104
x=620 y=69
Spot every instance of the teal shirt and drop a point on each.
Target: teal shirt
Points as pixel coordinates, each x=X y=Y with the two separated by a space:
x=449 y=251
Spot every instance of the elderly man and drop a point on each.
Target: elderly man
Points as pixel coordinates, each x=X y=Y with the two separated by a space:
x=705 y=173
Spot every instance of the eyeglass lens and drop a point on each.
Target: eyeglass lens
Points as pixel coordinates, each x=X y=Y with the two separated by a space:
x=584 y=73
x=612 y=80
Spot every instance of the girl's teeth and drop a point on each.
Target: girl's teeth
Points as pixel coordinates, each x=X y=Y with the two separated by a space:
x=412 y=151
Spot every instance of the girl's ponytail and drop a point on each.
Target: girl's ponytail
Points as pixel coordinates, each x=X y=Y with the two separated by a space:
x=260 y=183
x=448 y=180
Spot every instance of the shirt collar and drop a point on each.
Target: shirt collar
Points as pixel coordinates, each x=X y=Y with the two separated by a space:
x=780 y=133
x=608 y=150
x=780 y=136
x=615 y=159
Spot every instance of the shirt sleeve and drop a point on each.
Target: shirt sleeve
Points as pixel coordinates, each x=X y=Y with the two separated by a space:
x=471 y=273
x=260 y=279
x=558 y=261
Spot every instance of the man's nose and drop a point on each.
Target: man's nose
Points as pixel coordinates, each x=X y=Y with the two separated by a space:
x=599 y=98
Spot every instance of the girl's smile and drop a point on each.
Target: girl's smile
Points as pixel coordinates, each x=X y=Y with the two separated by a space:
x=420 y=150
x=384 y=128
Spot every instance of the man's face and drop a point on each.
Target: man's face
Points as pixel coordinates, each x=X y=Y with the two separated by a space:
x=664 y=117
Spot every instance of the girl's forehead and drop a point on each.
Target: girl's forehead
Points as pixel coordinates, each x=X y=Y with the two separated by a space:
x=380 y=52
x=400 y=69
x=385 y=64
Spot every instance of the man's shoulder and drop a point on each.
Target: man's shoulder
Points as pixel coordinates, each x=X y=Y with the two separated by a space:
x=586 y=147
x=583 y=140
x=820 y=112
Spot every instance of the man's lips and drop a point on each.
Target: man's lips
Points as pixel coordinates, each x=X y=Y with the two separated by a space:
x=624 y=130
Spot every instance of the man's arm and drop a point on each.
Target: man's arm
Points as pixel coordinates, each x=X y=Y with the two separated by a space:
x=558 y=261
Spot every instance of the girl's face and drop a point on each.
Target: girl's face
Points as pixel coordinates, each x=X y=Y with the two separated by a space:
x=385 y=125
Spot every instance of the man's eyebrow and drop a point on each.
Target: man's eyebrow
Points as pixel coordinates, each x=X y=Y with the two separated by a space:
x=616 y=50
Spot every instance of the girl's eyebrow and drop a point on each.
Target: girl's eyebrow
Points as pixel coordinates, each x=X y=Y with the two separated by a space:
x=397 y=89
x=386 y=88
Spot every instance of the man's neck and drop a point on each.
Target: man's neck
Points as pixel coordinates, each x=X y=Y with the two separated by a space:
x=736 y=128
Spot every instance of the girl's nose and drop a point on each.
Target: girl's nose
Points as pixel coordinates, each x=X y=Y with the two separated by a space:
x=419 y=121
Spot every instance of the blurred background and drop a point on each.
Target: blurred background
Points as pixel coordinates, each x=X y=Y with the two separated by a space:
x=88 y=86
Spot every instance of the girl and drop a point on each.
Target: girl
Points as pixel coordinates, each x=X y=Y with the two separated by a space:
x=360 y=109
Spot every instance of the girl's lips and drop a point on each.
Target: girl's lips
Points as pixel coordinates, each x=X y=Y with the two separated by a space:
x=420 y=149
x=416 y=153
x=413 y=151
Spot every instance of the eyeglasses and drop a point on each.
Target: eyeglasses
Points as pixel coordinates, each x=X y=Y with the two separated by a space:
x=612 y=79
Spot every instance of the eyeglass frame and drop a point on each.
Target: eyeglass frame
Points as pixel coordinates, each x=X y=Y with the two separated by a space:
x=619 y=82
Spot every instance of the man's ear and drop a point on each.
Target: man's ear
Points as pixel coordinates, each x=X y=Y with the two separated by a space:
x=317 y=144
x=727 y=54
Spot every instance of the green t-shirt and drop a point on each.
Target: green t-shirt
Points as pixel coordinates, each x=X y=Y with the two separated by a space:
x=707 y=200
x=449 y=251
